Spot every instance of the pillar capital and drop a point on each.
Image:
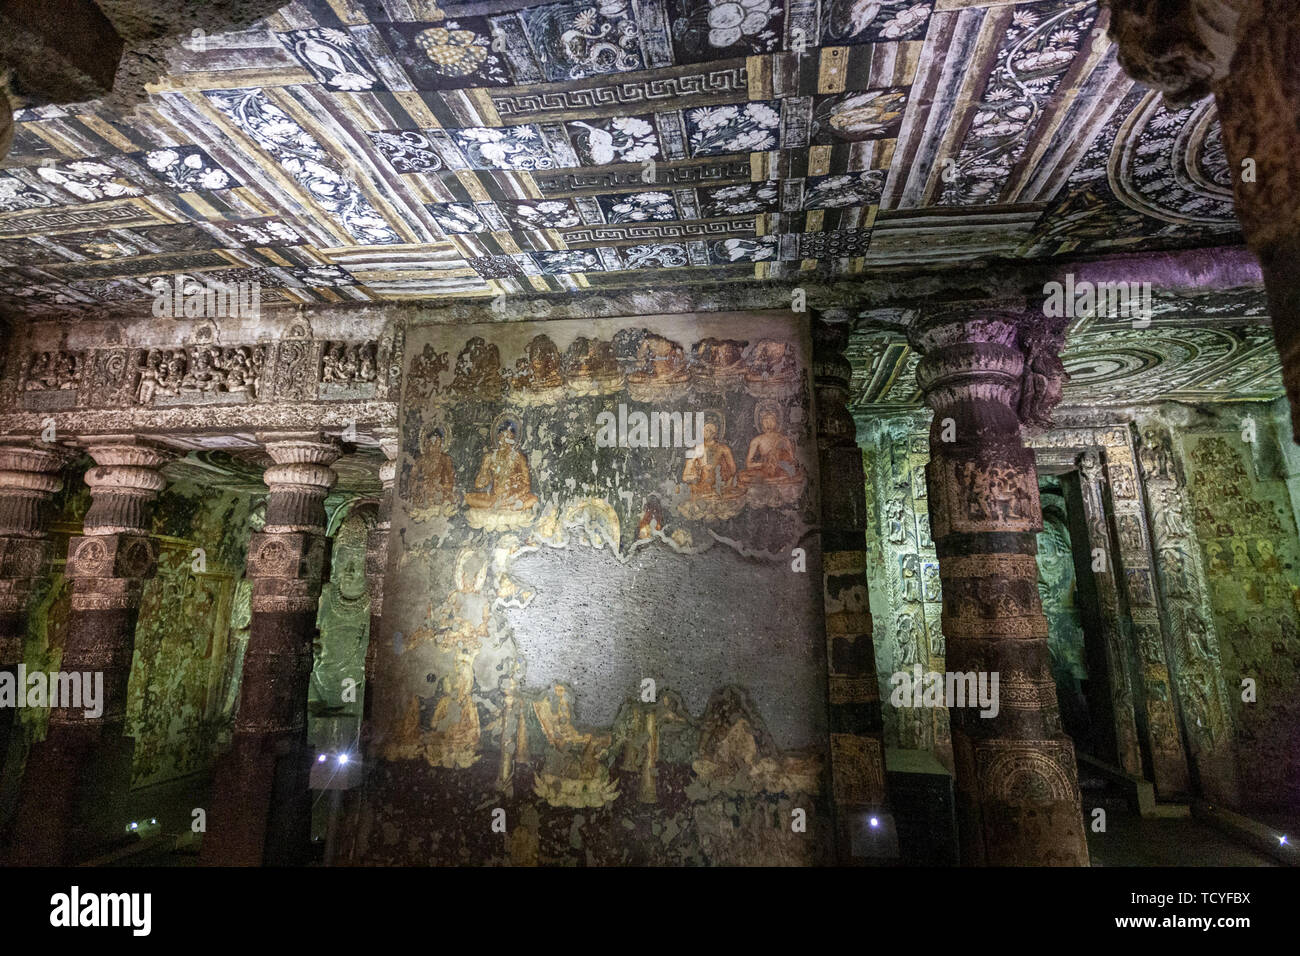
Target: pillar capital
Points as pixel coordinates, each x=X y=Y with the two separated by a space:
x=124 y=482
x=1180 y=47
x=29 y=477
x=832 y=377
x=299 y=479
x=389 y=445
x=1000 y=366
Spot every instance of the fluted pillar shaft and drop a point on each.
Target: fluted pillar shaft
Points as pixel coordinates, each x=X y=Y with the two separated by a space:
x=984 y=374
x=77 y=778
x=856 y=728
x=261 y=804
x=29 y=478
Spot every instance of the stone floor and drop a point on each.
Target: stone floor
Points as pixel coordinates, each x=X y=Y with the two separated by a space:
x=1131 y=840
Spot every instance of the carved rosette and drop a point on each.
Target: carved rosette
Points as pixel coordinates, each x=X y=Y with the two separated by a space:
x=28 y=480
x=987 y=374
x=110 y=561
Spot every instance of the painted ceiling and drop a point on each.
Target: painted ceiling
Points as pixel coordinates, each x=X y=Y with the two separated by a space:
x=382 y=150
x=1209 y=347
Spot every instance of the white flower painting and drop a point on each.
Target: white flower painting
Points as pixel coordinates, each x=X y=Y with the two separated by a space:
x=89 y=181
x=639 y=207
x=455 y=217
x=742 y=128
x=16 y=195
x=333 y=58
x=306 y=161
x=187 y=168
x=545 y=214
x=740 y=200
x=624 y=139
x=508 y=147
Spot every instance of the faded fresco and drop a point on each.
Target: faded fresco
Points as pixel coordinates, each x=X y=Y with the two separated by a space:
x=602 y=623
x=1244 y=523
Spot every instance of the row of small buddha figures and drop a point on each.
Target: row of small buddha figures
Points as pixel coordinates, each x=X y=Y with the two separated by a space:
x=773 y=475
x=652 y=367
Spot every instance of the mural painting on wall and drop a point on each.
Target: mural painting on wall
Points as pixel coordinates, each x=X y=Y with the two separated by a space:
x=542 y=467
x=1246 y=532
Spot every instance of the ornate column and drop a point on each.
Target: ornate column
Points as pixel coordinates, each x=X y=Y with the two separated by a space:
x=856 y=728
x=28 y=480
x=1190 y=640
x=77 y=778
x=1247 y=53
x=376 y=570
x=1110 y=623
x=261 y=804
x=984 y=373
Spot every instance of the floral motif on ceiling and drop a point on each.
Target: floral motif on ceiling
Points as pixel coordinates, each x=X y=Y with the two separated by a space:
x=380 y=151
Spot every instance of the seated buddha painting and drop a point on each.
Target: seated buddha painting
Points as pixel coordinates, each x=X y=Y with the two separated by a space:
x=431 y=480
x=502 y=496
x=773 y=475
x=710 y=473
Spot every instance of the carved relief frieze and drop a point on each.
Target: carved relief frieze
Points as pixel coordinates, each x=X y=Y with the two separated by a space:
x=349 y=369
x=202 y=373
x=51 y=379
x=984 y=495
x=293 y=368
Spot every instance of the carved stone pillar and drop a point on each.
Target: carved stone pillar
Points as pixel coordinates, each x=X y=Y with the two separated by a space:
x=1119 y=666
x=1190 y=638
x=261 y=805
x=28 y=480
x=1247 y=53
x=376 y=569
x=985 y=373
x=856 y=728
x=76 y=779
